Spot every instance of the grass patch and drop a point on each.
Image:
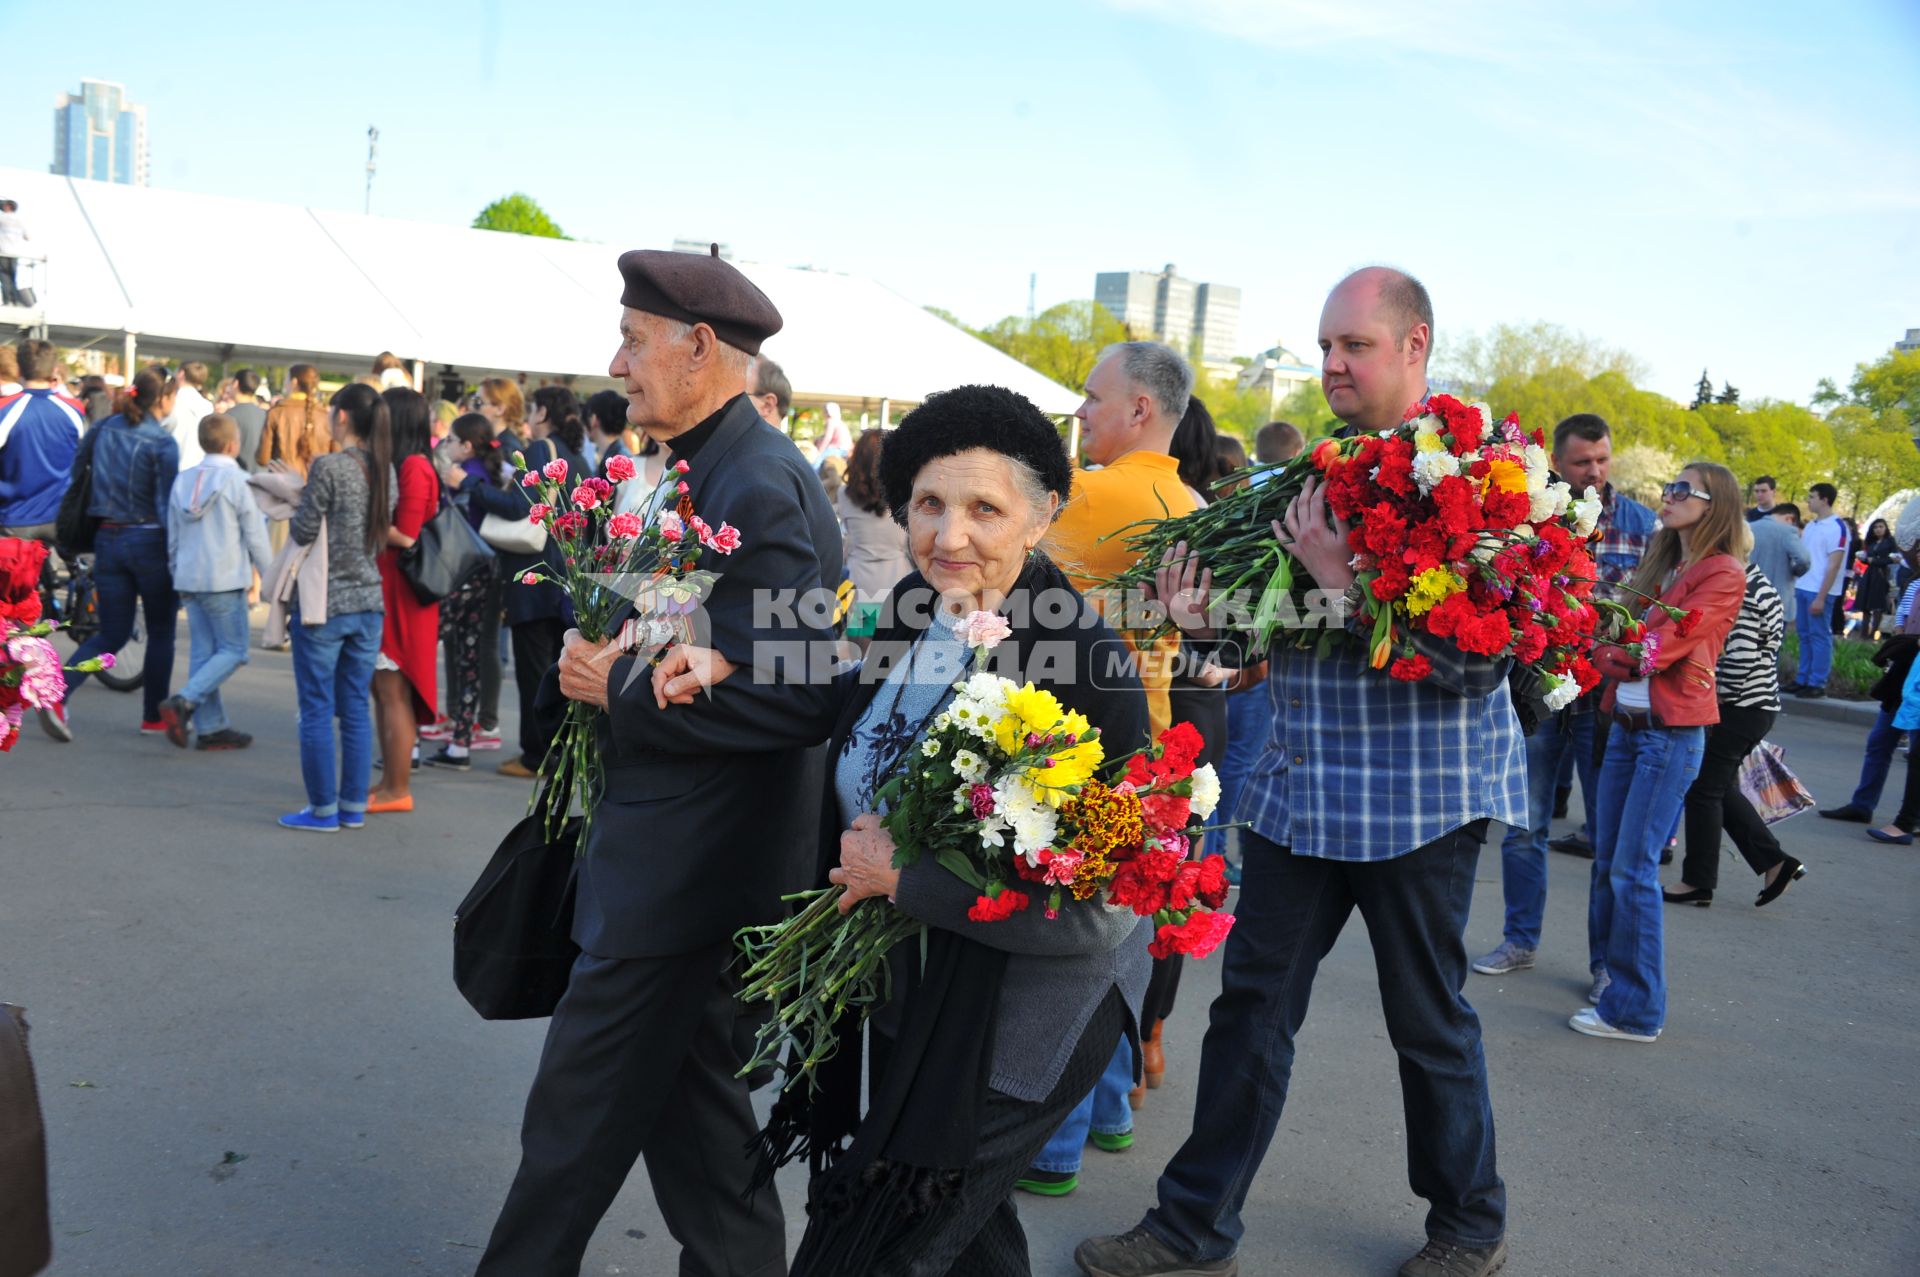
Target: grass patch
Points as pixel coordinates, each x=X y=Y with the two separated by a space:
x=1853 y=668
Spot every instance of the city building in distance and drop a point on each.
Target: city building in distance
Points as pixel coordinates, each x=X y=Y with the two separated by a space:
x=1201 y=320
x=1277 y=373
x=99 y=135
x=1912 y=341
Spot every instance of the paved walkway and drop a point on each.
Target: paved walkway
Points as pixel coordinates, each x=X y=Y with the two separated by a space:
x=253 y=1059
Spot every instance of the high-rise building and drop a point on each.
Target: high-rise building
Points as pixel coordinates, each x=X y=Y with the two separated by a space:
x=98 y=134
x=1199 y=320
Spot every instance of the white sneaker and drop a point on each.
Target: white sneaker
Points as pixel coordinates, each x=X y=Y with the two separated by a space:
x=1587 y=1020
x=53 y=720
x=485 y=738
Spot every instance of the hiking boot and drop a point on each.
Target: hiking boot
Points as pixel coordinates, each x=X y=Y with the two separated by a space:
x=1444 y=1259
x=1139 y=1253
x=1505 y=960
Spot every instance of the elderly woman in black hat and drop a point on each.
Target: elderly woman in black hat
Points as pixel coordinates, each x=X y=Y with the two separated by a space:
x=1004 y=1026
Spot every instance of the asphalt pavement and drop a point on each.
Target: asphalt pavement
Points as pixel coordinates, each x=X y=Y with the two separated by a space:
x=253 y=1059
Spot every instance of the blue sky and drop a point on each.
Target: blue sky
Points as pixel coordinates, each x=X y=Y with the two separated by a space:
x=1718 y=184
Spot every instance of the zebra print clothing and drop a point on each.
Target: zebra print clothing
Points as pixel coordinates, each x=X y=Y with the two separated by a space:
x=1749 y=673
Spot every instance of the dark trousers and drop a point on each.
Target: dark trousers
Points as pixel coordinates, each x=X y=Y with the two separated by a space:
x=9 y=287
x=1291 y=910
x=639 y=1062
x=464 y=623
x=979 y=1234
x=1882 y=739
x=491 y=625
x=131 y=576
x=1908 y=817
x=1714 y=802
x=536 y=647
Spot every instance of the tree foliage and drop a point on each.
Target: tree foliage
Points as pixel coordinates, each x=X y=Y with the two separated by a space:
x=518 y=214
x=1507 y=352
x=1062 y=343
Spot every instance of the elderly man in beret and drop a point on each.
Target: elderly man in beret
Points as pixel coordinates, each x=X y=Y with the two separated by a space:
x=706 y=819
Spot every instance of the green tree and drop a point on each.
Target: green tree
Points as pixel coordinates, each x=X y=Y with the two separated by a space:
x=1875 y=455
x=1729 y=393
x=1507 y=351
x=945 y=314
x=1062 y=343
x=1892 y=381
x=519 y=214
x=1702 y=393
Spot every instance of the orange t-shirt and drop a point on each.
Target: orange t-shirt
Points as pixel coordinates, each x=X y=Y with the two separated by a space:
x=1137 y=488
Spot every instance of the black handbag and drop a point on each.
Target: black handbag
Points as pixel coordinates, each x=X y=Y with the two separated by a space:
x=445 y=555
x=513 y=943
x=73 y=527
x=26 y=1241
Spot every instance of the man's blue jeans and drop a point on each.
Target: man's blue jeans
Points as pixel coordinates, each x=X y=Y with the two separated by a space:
x=1523 y=852
x=130 y=574
x=333 y=675
x=1291 y=910
x=1816 y=638
x=218 y=624
x=1105 y=1109
x=1882 y=739
x=1643 y=789
x=1249 y=726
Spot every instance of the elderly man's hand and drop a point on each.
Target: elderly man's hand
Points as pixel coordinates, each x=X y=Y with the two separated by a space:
x=866 y=862
x=585 y=667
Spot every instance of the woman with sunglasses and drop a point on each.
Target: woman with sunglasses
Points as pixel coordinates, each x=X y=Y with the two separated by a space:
x=1661 y=707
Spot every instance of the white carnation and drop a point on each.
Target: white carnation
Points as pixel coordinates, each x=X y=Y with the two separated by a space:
x=1206 y=790
x=1586 y=512
x=1562 y=691
x=1429 y=468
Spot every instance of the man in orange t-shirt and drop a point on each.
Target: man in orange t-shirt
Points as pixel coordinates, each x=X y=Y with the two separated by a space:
x=1136 y=395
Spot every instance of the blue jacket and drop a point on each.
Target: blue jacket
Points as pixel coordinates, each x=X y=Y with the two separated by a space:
x=39 y=433
x=133 y=470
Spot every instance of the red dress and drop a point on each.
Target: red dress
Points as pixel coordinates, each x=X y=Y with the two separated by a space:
x=410 y=636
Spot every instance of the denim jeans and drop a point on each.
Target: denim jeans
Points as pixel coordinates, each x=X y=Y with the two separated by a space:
x=1523 y=852
x=218 y=625
x=130 y=572
x=333 y=675
x=1816 y=638
x=1882 y=739
x=1249 y=727
x=1291 y=910
x=1104 y=1109
x=1643 y=787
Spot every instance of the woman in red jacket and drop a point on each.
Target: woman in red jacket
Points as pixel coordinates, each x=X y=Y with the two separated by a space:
x=404 y=691
x=1660 y=708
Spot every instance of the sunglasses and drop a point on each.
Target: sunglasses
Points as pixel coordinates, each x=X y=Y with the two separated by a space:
x=1680 y=490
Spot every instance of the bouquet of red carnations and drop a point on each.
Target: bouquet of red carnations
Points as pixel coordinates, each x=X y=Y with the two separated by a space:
x=31 y=673
x=1460 y=531
x=611 y=562
x=1002 y=792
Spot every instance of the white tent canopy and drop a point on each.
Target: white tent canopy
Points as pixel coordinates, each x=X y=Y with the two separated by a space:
x=276 y=283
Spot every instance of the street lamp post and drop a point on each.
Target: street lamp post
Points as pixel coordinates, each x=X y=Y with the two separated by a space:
x=373 y=141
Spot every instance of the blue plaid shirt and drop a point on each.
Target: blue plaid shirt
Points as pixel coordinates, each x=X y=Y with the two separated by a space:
x=1363 y=767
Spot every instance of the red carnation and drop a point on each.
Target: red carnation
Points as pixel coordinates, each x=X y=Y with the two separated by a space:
x=1411 y=669
x=1485 y=635
x=1213 y=884
x=998 y=908
x=1197 y=937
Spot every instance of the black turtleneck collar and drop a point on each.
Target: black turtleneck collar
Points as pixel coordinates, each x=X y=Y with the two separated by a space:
x=686 y=446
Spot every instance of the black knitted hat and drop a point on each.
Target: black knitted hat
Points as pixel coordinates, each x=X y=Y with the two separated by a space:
x=970 y=417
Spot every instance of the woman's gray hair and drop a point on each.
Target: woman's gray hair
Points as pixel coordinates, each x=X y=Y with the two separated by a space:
x=1159 y=370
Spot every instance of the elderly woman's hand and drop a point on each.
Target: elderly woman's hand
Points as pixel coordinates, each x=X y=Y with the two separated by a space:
x=866 y=862
x=685 y=671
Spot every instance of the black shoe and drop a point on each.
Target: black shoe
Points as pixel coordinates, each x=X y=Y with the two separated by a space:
x=1138 y=1253
x=1560 y=797
x=1701 y=896
x=1791 y=871
x=176 y=712
x=1848 y=813
x=1811 y=693
x=225 y=738
x=1571 y=845
x=441 y=758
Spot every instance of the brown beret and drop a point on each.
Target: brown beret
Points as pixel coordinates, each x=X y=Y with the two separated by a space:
x=699 y=290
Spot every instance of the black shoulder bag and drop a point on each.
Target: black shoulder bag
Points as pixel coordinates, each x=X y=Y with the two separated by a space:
x=445 y=555
x=73 y=527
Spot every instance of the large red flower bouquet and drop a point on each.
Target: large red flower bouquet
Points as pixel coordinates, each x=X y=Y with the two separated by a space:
x=1459 y=531
x=31 y=675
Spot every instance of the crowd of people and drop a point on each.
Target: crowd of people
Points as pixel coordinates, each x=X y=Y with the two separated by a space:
x=309 y=502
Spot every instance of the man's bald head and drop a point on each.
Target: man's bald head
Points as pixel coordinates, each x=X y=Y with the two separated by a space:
x=1376 y=331
x=1398 y=298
